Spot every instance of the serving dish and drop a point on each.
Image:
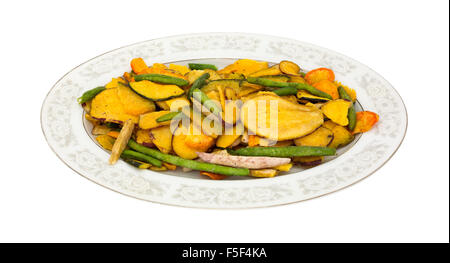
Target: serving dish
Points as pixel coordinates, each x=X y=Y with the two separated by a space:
x=68 y=134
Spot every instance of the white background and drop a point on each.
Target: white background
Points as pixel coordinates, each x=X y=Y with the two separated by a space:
x=405 y=41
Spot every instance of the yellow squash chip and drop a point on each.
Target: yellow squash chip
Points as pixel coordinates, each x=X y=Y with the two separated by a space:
x=134 y=104
x=108 y=107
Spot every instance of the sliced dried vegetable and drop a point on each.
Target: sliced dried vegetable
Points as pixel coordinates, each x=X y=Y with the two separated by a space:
x=337 y=111
x=107 y=106
x=319 y=74
x=365 y=120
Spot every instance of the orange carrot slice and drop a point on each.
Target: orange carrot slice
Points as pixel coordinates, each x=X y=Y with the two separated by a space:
x=113 y=134
x=319 y=74
x=253 y=140
x=214 y=176
x=327 y=87
x=365 y=120
x=138 y=65
x=128 y=77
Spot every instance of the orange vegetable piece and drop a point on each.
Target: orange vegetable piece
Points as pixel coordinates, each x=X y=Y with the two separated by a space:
x=113 y=134
x=316 y=75
x=214 y=176
x=253 y=140
x=128 y=77
x=106 y=141
x=199 y=142
x=327 y=87
x=365 y=120
x=143 y=136
x=170 y=166
x=90 y=119
x=138 y=65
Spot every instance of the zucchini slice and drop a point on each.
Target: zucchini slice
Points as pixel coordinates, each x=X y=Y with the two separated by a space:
x=154 y=91
x=304 y=96
x=133 y=103
x=107 y=106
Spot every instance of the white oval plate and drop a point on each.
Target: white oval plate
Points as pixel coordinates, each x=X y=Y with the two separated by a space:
x=66 y=132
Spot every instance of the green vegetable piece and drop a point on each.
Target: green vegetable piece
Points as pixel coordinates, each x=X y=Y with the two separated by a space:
x=310 y=89
x=286 y=91
x=302 y=95
x=112 y=125
x=196 y=93
x=279 y=78
x=191 y=164
x=351 y=115
x=287 y=151
x=167 y=117
x=206 y=102
x=299 y=86
x=154 y=91
x=343 y=94
x=268 y=82
x=141 y=157
x=163 y=79
x=198 y=83
x=201 y=66
x=90 y=94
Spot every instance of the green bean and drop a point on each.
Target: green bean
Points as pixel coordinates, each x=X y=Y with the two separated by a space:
x=167 y=117
x=198 y=83
x=310 y=89
x=343 y=94
x=351 y=115
x=209 y=104
x=202 y=66
x=164 y=79
x=90 y=94
x=286 y=151
x=268 y=82
x=286 y=91
x=191 y=164
x=141 y=157
x=299 y=86
x=113 y=125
